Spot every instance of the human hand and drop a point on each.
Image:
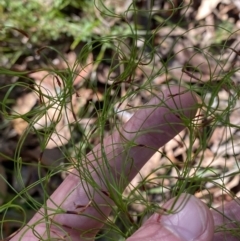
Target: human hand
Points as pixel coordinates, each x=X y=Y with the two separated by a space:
x=77 y=210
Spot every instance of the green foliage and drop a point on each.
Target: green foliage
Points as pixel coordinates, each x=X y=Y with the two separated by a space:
x=125 y=48
x=47 y=20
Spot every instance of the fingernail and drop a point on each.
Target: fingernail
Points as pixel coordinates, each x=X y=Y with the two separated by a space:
x=189 y=219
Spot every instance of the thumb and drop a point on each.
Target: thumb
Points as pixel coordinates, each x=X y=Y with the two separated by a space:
x=190 y=220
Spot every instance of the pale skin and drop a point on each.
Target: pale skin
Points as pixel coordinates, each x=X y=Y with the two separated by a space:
x=152 y=126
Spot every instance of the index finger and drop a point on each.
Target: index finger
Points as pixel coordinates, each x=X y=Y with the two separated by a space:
x=82 y=203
